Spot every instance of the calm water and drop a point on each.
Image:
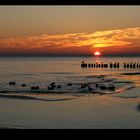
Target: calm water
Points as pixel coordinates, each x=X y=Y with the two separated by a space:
x=59 y=69
x=89 y=111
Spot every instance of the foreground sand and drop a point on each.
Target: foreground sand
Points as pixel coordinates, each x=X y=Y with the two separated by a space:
x=89 y=111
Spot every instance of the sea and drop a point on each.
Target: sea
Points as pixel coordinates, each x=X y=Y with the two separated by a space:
x=68 y=104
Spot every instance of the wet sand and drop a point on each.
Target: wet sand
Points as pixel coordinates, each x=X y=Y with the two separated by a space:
x=88 y=111
x=22 y=97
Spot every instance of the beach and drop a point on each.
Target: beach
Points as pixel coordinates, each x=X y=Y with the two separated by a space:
x=72 y=109
x=90 y=111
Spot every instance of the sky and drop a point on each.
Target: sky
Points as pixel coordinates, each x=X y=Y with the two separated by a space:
x=69 y=30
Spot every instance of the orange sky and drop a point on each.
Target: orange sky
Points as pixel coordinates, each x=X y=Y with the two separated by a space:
x=120 y=41
x=69 y=30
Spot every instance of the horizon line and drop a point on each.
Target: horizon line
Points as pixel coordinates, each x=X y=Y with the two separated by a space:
x=68 y=55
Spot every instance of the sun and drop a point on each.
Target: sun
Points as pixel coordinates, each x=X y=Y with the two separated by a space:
x=97 y=53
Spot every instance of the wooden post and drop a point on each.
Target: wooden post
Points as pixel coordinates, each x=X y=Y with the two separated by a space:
x=127 y=65
x=115 y=65
x=102 y=65
x=134 y=65
x=118 y=65
x=111 y=65
x=124 y=65
x=85 y=66
x=89 y=65
x=82 y=64
x=96 y=65
x=131 y=65
x=105 y=65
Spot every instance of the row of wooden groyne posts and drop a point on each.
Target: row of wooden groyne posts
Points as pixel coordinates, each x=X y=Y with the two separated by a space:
x=131 y=65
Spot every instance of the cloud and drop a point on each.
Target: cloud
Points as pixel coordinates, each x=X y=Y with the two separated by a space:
x=114 y=40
